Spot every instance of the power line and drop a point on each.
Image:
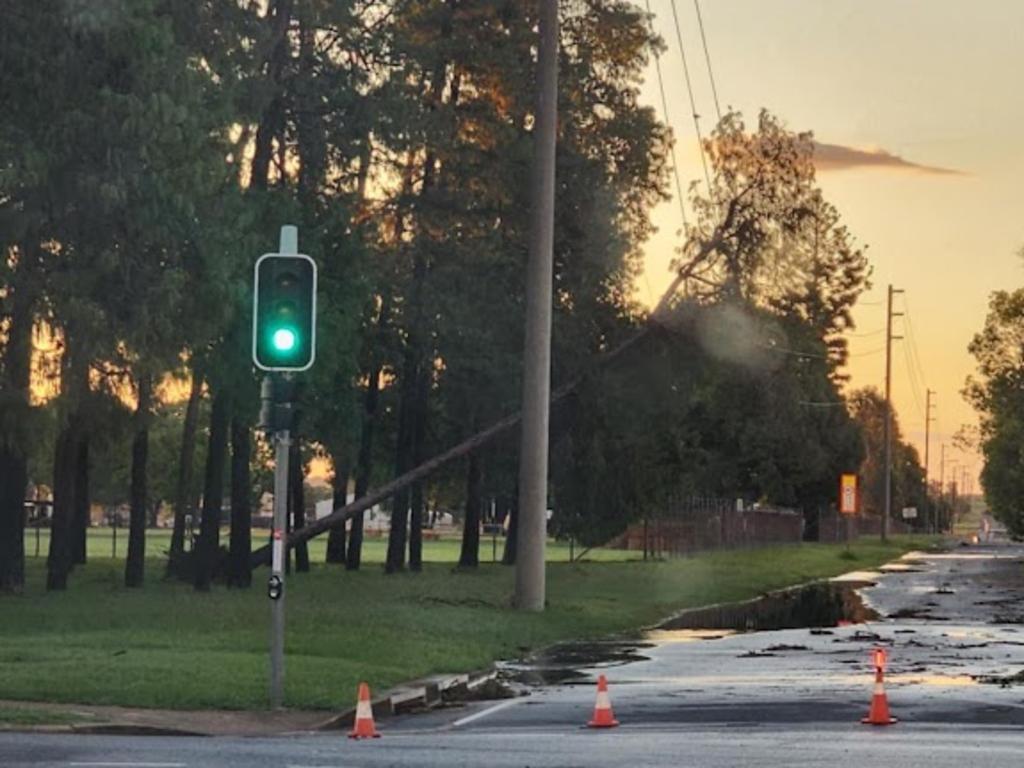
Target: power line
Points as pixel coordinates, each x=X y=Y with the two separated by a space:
x=707 y=58
x=815 y=355
x=664 y=110
x=913 y=341
x=869 y=353
x=689 y=89
x=915 y=390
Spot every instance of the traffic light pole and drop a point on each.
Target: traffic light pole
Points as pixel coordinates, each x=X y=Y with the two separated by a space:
x=278 y=390
x=282 y=442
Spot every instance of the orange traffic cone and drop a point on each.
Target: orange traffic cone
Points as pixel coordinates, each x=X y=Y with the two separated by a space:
x=603 y=717
x=364 y=727
x=879 y=712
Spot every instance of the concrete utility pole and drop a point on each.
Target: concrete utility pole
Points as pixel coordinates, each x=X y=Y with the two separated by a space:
x=889 y=338
x=533 y=447
x=928 y=419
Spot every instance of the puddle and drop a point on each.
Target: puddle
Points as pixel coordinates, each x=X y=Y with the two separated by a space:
x=663 y=636
x=859 y=578
x=823 y=604
x=902 y=567
x=561 y=664
x=1003 y=681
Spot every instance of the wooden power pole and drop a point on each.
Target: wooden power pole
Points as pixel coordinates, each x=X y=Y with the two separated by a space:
x=889 y=338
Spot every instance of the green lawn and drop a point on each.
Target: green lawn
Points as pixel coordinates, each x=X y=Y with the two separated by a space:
x=101 y=544
x=167 y=646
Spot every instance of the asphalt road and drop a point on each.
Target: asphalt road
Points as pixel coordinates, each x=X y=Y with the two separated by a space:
x=791 y=697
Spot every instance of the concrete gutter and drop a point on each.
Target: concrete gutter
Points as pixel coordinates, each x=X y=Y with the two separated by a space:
x=409 y=697
x=100 y=720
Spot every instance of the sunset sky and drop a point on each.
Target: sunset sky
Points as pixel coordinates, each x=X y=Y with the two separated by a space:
x=918 y=102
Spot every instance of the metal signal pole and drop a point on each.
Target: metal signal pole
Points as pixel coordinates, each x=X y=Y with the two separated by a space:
x=282 y=443
x=279 y=390
x=889 y=338
x=533 y=450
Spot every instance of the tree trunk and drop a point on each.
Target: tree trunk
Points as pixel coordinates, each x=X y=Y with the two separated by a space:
x=67 y=450
x=183 y=500
x=13 y=481
x=309 y=120
x=14 y=381
x=82 y=518
x=272 y=117
x=419 y=437
x=508 y=557
x=297 y=502
x=470 y=555
x=213 y=495
x=239 y=569
x=364 y=469
x=336 y=536
x=403 y=459
x=58 y=563
x=134 y=572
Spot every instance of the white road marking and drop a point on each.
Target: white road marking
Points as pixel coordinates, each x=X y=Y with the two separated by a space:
x=128 y=765
x=485 y=712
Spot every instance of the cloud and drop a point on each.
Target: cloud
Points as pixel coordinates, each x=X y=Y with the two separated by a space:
x=835 y=157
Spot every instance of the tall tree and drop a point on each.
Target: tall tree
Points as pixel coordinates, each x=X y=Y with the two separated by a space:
x=997 y=394
x=135 y=564
x=208 y=545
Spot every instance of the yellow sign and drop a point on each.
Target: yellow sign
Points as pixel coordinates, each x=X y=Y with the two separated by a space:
x=848 y=494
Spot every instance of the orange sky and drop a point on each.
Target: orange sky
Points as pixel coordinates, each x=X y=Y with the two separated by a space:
x=904 y=89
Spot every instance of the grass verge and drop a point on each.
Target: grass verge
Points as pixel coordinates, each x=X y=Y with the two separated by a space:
x=167 y=646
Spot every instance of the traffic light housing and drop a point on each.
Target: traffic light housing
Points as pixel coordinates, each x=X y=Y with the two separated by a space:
x=284 y=312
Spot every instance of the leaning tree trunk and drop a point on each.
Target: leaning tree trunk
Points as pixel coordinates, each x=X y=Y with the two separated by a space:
x=186 y=458
x=213 y=495
x=134 y=571
x=239 y=569
x=297 y=502
x=15 y=379
x=470 y=555
x=336 y=536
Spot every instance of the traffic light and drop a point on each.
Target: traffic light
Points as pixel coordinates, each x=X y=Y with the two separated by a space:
x=284 y=312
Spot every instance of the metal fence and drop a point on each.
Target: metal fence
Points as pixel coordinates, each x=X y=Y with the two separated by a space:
x=694 y=523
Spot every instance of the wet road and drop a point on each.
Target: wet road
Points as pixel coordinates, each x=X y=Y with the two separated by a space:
x=716 y=698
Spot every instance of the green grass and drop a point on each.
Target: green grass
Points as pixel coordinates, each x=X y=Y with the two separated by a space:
x=101 y=544
x=167 y=646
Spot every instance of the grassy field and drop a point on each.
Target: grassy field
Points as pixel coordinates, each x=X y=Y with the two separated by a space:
x=101 y=544
x=167 y=646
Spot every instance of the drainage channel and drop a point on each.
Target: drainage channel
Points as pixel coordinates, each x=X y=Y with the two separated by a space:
x=821 y=604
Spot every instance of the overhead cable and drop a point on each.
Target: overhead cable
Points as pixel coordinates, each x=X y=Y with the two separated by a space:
x=689 y=90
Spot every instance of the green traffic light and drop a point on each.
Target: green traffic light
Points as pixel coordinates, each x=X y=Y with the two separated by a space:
x=284 y=340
